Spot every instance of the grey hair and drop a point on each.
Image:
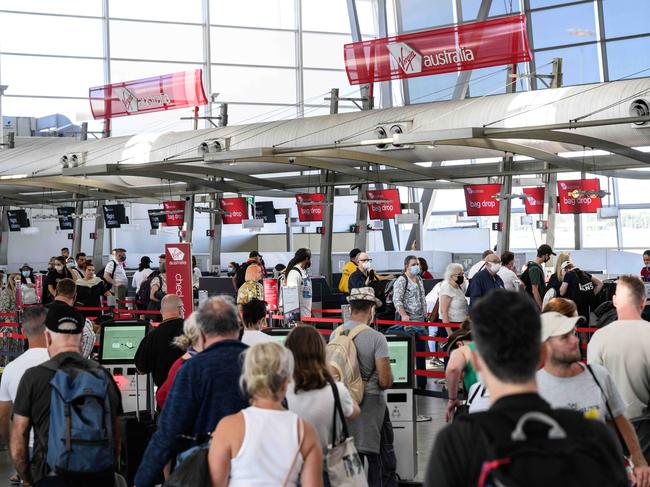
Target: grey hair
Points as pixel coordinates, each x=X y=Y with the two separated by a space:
x=218 y=316
x=452 y=268
x=33 y=323
x=267 y=366
x=190 y=333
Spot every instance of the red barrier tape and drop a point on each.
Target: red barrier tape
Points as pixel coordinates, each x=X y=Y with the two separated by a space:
x=9 y=313
x=431 y=354
x=337 y=311
x=10 y=325
x=430 y=373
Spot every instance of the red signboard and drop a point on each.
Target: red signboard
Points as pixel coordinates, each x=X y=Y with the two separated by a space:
x=235 y=210
x=309 y=209
x=179 y=273
x=461 y=47
x=574 y=196
x=271 y=293
x=534 y=202
x=479 y=199
x=387 y=206
x=175 y=213
x=166 y=92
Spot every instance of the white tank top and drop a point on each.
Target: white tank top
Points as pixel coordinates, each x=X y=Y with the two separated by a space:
x=269 y=447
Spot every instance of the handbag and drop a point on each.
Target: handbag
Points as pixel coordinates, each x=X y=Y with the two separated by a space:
x=344 y=465
x=301 y=437
x=193 y=470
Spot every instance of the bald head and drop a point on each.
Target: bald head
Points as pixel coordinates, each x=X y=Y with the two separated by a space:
x=170 y=307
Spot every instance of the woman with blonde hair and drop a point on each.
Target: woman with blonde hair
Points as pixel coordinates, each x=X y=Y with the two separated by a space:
x=555 y=281
x=264 y=444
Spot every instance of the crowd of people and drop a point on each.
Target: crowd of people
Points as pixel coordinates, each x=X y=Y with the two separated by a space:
x=251 y=411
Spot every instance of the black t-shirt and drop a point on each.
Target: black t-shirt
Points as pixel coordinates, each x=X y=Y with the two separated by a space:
x=157 y=353
x=53 y=277
x=358 y=279
x=33 y=402
x=461 y=447
x=90 y=296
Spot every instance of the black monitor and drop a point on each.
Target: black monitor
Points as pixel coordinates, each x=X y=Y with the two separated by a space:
x=280 y=334
x=400 y=352
x=120 y=340
x=216 y=286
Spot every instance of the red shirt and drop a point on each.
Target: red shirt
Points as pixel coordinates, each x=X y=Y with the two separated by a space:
x=163 y=390
x=645 y=274
x=427 y=275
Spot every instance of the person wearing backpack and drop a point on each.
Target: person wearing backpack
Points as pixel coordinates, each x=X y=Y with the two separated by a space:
x=240 y=274
x=74 y=407
x=520 y=440
x=115 y=275
x=372 y=366
x=533 y=277
x=581 y=288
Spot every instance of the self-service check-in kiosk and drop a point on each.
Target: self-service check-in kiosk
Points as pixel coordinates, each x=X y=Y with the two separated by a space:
x=401 y=405
x=280 y=334
x=118 y=344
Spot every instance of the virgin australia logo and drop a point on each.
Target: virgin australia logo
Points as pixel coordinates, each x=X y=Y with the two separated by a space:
x=132 y=103
x=411 y=61
x=407 y=58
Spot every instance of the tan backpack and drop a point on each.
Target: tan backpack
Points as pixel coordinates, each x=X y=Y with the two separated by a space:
x=343 y=362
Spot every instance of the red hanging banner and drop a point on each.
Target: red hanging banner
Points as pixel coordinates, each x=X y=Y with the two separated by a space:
x=474 y=45
x=479 y=199
x=387 y=206
x=309 y=209
x=166 y=92
x=271 y=293
x=175 y=213
x=534 y=201
x=178 y=258
x=235 y=210
x=579 y=196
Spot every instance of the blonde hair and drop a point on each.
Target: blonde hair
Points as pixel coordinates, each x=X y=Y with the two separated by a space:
x=190 y=333
x=561 y=259
x=252 y=272
x=11 y=281
x=266 y=367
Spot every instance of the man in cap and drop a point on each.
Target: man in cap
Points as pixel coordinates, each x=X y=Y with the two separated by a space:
x=64 y=326
x=534 y=277
x=374 y=365
x=240 y=275
x=566 y=383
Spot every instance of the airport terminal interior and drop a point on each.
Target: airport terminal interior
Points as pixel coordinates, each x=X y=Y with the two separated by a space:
x=236 y=233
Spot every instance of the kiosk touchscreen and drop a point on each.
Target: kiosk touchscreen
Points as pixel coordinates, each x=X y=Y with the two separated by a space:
x=280 y=334
x=400 y=353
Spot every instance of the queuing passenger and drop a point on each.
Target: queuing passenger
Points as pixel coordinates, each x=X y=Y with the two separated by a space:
x=66 y=295
x=581 y=288
x=252 y=288
x=278 y=270
x=424 y=268
x=90 y=290
x=65 y=253
x=33 y=327
x=374 y=365
x=254 y=318
x=506 y=329
x=144 y=271
x=508 y=273
x=28 y=285
x=295 y=275
x=8 y=295
x=310 y=394
x=534 y=275
x=211 y=379
x=485 y=281
x=158 y=286
x=365 y=273
x=32 y=405
x=196 y=274
x=232 y=268
x=265 y=444
x=190 y=343
x=254 y=257
x=645 y=270
x=563 y=306
x=77 y=266
x=555 y=281
x=622 y=348
x=156 y=352
x=566 y=383
x=2 y=279
x=350 y=267
x=115 y=275
x=476 y=268
x=58 y=272
x=453 y=306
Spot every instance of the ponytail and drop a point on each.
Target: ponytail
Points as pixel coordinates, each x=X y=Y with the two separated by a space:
x=300 y=256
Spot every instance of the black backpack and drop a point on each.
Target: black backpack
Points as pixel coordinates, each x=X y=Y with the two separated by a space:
x=583 y=295
x=100 y=274
x=525 y=278
x=143 y=296
x=545 y=449
x=240 y=274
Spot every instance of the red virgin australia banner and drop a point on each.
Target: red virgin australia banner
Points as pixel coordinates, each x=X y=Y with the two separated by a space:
x=175 y=213
x=578 y=196
x=235 y=210
x=462 y=47
x=387 y=206
x=309 y=209
x=534 y=202
x=479 y=200
x=166 y=92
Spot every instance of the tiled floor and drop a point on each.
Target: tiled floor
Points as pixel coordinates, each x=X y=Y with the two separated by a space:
x=426 y=433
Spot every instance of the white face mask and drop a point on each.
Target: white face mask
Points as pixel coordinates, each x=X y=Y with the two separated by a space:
x=368 y=266
x=495 y=267
x=58 y=267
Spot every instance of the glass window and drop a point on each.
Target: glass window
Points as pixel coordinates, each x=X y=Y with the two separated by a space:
x=76 y=110
x=264 y=47
x=449 y=200
x=244 y=114
x=431 y=88
x=627 y=57
x=276 y=14
x=130 y=70
x=27 y=75
x=580 y=64
x=470 y=8
x=635 y=227
x=424 y=14
x=565 y=25
x=633 y=191
x=625 y=17
x=157 y=122
x=564 y=231
x=324 y=50
x=598 y=233
x=330 y=16
x=317 y=85
x=69 y=7
x=269 y=85
x=156 y=41
x=170 y=10
x=50 y=35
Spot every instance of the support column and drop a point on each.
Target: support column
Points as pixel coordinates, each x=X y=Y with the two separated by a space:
x=361 y=238
x=288 y=229
x=77 y=228
x=188 y=221
x=577 y=225
x=550 y=207
x=207 y=55
x=4 y=236
x=216 y=227
x=505 y=207
x=98 y=243
x=300 y=87
x=385 y=87
x=328 y=222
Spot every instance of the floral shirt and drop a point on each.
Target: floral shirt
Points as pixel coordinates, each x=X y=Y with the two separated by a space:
x=250 y=290
x=411 y=295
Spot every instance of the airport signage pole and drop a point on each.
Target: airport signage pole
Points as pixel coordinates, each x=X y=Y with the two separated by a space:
x=98 y=241
x=178 y=258
x=215 y=234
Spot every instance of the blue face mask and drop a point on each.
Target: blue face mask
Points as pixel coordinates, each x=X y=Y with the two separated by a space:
x=415 y=270
x=25 y=273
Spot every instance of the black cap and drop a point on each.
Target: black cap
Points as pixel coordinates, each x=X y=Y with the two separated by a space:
x=254 y=253
x=545 y=250
x=145 y=259
x=64 y=319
